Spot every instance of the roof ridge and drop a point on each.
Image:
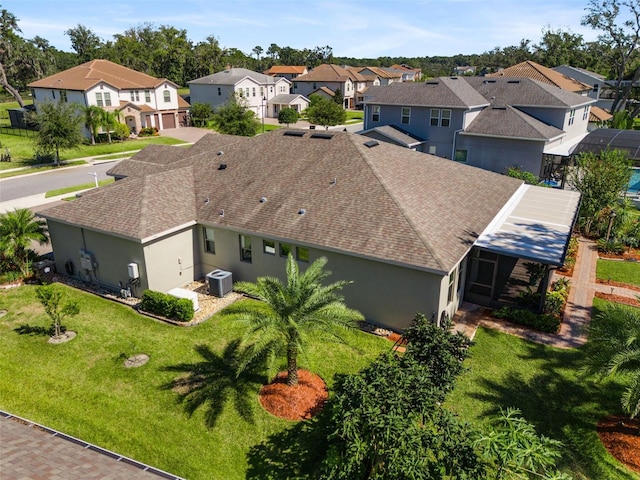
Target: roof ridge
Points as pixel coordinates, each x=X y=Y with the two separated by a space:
x=400 y=208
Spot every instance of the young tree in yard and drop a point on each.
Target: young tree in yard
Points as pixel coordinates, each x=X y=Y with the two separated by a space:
x=58 y=127
x=613 y=350
x=51 y=298
x=288 y=116
x=601 y=180
x=17 y=230
x=338 y=97
x=200 y=114
x=93 y=120
x=108 y=121
x=325 y=112
x=283 y=316
x=234 y=118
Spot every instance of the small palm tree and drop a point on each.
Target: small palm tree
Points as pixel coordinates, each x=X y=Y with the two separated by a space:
x=614 y=350
x=93 y=116
x=286 y=315
x=17 y=230
x=109 y=121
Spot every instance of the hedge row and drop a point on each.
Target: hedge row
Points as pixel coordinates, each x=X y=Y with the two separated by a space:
x=541 y=322
x=167 y=306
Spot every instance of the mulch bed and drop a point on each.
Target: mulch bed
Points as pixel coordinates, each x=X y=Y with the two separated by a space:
x=634 y=302
x=618 y=284
x=621 y=437
x=633 y=254
x=299 y=402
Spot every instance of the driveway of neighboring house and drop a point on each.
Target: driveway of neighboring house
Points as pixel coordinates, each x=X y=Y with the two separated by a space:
x=186 y=134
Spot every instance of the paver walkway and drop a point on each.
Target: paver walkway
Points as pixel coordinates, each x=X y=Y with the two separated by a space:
x=577 y=313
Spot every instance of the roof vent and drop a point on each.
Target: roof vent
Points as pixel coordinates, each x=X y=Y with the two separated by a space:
x=221 y=213
x=334 y=181
x=302 y=211
x=263 y=199
x=222 y=166
x=453 y=78
x=220 y=152
x=371 y=143
x=294 y=133
x=489 y=81
x=431 y=82
x=513 y=81
x=206 y=200
x=326 y=136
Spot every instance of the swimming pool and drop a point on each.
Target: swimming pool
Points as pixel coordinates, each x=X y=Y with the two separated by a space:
x=634 y=183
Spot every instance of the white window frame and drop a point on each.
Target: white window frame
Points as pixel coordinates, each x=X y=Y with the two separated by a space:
x=167 y=96
x=147 y=96
x=405 y=113
x=375 y=113
x=445 y=118
x=269 y=247
x=99 y=101
x=107 y=99
x=434 y=117
x=572 y=116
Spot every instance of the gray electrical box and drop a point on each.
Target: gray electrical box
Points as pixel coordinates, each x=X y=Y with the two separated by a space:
x=220 y=283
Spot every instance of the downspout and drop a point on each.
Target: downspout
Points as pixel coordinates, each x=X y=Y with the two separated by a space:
x=453 y=149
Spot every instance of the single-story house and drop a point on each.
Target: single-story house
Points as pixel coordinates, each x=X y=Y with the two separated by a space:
x=414 y=232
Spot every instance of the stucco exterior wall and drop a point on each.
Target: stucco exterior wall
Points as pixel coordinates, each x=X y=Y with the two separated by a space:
x=209 y=94
x=111 y=255
x=386 y=294
x=171 y=261
x=497 y=155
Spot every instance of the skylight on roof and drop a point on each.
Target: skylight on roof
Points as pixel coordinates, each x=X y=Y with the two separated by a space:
x=326 y=136
x=371 y=143
x=294 y=133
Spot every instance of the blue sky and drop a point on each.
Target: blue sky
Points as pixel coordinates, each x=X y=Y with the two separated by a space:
x=353 y=28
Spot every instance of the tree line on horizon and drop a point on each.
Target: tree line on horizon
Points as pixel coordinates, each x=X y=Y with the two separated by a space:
x=167 y=52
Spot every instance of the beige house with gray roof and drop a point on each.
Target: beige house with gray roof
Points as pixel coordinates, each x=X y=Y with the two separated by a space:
x=401 y=224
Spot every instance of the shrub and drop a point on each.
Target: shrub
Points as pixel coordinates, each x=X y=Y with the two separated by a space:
x=541 y=322
x=148 y=132
x=612 y=246
x=120 y=131
x=554 y=303
x=165 y=305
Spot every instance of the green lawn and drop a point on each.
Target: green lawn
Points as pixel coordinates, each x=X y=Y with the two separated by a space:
x=4 y=115
x=76 y=188
x=23 y=156
x=82 y=388
x=544 y=383
x=618 y=271
x=355 y=115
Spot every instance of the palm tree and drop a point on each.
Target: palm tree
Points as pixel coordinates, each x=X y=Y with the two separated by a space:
x=283 y=317
x=93 y=118
x=17 y=230
x=109 y=121
x=614 y=350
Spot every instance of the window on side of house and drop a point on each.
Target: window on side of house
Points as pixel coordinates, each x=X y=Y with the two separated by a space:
x=99 y=101
x=245 y=248
x=269 y=247
x=107 y=99
x=219 y=91
x=445 y=118
x=167 y=96
x=209 y=240
x=432 y=149
x=375 y=113
x=314 y=85
x=262 y=92
x=253 y=91
x=585 y=114
x=406 y=115
x=133 y=96
x=434 y=117
x=147 y=96
x=53 y=94
x=452 y=286
x=63 y=95
x=137 y=92
x=246 y=91
x=461 y=155
x=285 y=249
x=572 y=116
x=302 y=254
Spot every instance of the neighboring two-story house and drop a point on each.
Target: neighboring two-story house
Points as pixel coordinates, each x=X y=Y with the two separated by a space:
x=409 y=74
x=140 y=99
x=491 y=123
x=414 y=232
x=600 y=90
x=257 y=90
x=327 y=79
x=287 y=71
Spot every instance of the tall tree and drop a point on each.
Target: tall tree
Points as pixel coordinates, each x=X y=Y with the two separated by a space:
x=323 y=111
x=207 y=58
x=58 y=127
x=17 y=230
x=109 y=119
x=85 y=42
x=234 y=118
x=613 y=350
x=559 y=47
x=622 y=39
x=9 y=44
x=601 y=180
x=284 y=316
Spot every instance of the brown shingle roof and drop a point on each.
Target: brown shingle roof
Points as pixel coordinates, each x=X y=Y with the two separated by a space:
x=283 y=69
x=543 y=74
x=89 y=74
x=330 y=73
x=597 y=114
x=387 y=203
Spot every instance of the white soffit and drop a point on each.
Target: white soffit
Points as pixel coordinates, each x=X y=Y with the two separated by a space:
x=565 y=148
x=535 y=225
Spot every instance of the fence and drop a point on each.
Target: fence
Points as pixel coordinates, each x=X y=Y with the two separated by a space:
x=21 y=132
